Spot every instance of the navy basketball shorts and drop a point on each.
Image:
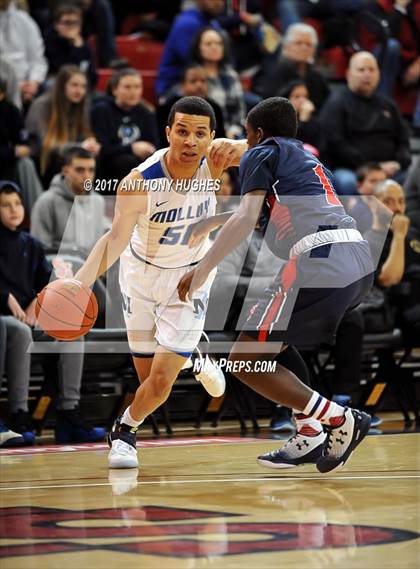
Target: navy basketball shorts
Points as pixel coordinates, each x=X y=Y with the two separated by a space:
x=308 y=298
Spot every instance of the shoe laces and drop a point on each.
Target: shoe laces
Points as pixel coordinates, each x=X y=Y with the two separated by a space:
x=122 y=447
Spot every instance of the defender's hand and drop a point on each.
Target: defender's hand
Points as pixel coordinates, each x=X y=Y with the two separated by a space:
x=222 y=153
x=190 y=282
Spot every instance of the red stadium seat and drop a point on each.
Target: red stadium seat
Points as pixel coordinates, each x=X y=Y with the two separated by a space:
x=336 y=60
x=141 y=52
x=104 y=75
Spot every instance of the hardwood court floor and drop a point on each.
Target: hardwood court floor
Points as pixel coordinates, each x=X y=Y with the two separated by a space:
x=206 y=503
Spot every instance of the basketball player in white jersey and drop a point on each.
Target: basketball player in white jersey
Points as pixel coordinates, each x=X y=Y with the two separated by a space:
x=156 y=236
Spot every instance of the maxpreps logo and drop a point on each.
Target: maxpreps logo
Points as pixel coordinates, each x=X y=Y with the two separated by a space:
x=174 y=532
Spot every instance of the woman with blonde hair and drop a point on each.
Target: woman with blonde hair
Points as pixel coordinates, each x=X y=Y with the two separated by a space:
x=60 y=117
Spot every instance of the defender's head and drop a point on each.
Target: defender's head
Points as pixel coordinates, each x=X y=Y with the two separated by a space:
x=190 y=130
x=274 y=116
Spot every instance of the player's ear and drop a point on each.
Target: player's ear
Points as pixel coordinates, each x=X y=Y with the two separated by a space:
x=260 y=134
x=212 y=134
x=167 y=131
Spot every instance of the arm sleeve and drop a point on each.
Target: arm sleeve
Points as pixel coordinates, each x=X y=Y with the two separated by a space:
x=37 y=64
x=257 y=169
x=42 y=222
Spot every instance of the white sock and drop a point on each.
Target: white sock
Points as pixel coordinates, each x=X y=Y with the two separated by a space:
x=128 y=419
x=327 y=412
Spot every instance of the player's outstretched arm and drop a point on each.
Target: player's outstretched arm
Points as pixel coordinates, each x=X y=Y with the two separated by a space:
x=224 y=153
x=206 y=226
x=230 y=236
x=130 y=202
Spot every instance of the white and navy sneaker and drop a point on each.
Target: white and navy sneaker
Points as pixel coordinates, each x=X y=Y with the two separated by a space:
x=298 y=450
x=341 y=441
x=122 y=440
x=210 y=374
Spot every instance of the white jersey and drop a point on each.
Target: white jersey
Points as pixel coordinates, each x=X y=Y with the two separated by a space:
x=161 y=235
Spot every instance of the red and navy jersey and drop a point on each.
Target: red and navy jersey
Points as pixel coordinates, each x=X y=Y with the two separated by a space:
x=300 y=197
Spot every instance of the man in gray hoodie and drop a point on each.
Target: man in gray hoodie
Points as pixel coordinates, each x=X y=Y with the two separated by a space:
x=67 y=216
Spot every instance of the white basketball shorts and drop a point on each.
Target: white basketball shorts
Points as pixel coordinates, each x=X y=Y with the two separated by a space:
x=153 y=311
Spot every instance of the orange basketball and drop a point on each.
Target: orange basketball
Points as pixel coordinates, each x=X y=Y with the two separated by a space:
x=66 y=309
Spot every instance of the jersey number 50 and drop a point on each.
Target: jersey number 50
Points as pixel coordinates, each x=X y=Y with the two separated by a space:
x=172 y=235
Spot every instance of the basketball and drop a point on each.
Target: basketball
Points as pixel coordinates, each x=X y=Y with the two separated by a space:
x=66 y=309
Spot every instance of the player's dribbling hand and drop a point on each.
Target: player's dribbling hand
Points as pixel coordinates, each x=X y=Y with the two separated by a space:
x=190 y=282
x=222 y=153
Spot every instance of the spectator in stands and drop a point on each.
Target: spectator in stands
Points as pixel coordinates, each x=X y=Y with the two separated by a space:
x=224 y=85
x=24 y=271
x=60 y=117
x=67 y=216
x=362 y=126
x=22 y=46
x=412 y=193
x=124 y=126
x=309 y=127
x=7 y=73
x=194 y=82
x=8 y=438
x=65 y=45
x=15 y=161
x=178 y=45
x=98 y=20
x=403 y=18
x=358 y=207
x=296 y=61
x=398 y=271
x=12 y=142
x=251 y=36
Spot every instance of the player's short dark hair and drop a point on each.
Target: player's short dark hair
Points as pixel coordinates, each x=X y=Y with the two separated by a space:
x=9 y=187
x=71 y=151
x=276 y=116
x=192 y=106
x=363 y=171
